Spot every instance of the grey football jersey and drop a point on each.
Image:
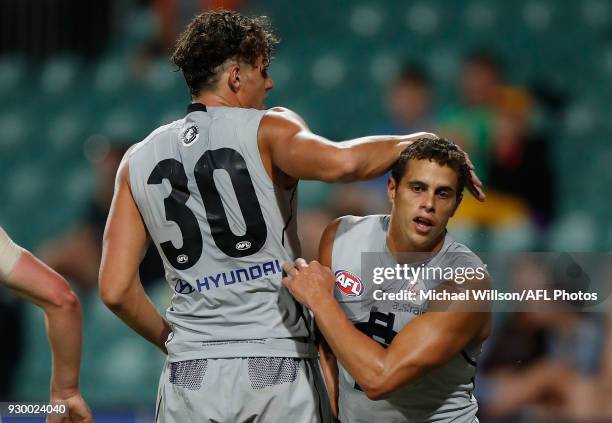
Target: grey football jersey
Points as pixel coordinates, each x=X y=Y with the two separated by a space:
x=444 y=394
x=223 y=230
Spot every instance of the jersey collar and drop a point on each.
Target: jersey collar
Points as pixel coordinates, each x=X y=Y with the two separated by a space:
x=196 y=107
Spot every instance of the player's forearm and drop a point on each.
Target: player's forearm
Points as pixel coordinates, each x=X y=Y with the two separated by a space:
x=137 y=310
x=373 y=156
x=361 y=356
x=42 y=286
x=64 y=333
x=329 y=366
x=374 y=370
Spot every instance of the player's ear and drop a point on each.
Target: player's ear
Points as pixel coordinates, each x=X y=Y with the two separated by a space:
x=234 y=77
x=459 y=198
x=391 y=186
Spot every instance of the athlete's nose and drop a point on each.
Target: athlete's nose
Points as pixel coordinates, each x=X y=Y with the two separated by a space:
x=427 y=202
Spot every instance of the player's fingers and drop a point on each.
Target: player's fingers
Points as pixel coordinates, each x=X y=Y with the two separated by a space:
x=477 y=192
x=55 y=418
x=286 y=281
x=81 y=415
x=428 y=135
x=300 y=263
x=315 y=264
x=289 y=269
x=475 y=179
x=482 y=196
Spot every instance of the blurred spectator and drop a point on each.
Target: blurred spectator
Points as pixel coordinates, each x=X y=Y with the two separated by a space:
x=492 y=123
x=546 y=388
x=409 y=102
x=76 y=254
x=470 y=122
x=521 y=183
x=520 y=161
x=533 y=376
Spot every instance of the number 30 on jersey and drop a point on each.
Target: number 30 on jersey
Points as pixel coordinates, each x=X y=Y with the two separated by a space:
x=177 y=211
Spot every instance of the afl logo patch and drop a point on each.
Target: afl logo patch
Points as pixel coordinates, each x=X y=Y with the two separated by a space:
x=182 y=259
x=243 y=245
x=190 y=135
x=349 y=284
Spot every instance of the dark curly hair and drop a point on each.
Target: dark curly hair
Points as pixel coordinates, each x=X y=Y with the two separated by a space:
x=215 y=36
x=441 y=151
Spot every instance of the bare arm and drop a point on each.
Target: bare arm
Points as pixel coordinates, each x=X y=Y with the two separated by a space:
x=328 y=361
x=303 y=155
x=287 y=143
x=38 y=283
x=425 y=343
x=124 y=245
x=422 y=345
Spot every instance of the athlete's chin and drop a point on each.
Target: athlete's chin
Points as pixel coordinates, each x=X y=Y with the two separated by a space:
x=422 y=242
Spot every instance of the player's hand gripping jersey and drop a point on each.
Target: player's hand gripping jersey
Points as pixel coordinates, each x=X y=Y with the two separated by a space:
x=442 y=395
x=223 y=231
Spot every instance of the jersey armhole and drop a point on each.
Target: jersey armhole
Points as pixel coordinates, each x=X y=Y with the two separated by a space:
x=262 y=173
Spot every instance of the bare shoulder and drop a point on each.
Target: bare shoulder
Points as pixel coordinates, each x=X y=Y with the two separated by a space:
x=326 y=245
x=123 y=172
x=332 y=228
x=281 y=118
x=283 y=113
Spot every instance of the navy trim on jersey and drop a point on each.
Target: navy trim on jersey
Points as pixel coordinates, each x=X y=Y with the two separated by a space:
x=290 y=215
x=468 y=359
x=158 y=406
x=472 y=363
x=196 y=107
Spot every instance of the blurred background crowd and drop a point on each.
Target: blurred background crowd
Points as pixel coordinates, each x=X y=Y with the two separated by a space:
x=522 y=86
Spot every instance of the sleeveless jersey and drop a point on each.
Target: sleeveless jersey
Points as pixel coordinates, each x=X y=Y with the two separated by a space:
x=223 y=230
x=443 y=395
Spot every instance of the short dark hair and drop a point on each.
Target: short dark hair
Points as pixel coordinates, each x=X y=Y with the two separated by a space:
x=414 y=74
x=441 y=151
x=486 y=58
x=216 y=36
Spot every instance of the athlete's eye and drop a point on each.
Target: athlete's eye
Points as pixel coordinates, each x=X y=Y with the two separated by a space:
x=444 y=194
x=264 y=73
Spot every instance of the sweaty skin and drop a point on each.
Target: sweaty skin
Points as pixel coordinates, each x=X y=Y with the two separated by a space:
x=379 y=371
x=427 y=190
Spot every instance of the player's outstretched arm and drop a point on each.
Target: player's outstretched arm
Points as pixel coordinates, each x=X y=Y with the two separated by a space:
x=292 y=147
x=424 y=344
x=123 y=247
x=32 y=279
